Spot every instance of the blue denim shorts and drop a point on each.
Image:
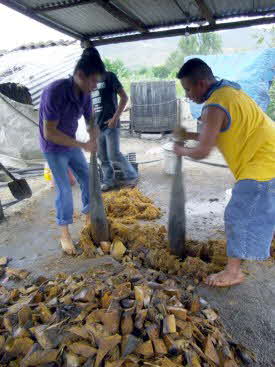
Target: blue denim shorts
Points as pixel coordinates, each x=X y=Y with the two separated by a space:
x=250 y=219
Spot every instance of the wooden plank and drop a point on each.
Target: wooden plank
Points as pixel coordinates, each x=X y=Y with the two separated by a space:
x=2 y=217
x=58 y=5
x=182 y=31
x=184 y=12
x=122 y=16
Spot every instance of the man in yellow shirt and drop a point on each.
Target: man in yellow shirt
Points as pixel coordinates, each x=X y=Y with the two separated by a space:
x=245 y=135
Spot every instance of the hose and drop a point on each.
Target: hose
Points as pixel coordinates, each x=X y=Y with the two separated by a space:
x=11 y=203
x=34 y=172
x=189 y=159
x=23 y=170
x=145 y=162
x=207 y=163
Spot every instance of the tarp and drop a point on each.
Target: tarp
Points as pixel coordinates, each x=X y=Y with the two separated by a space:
x=19 y=133
x=18 y=130
x=254 y=71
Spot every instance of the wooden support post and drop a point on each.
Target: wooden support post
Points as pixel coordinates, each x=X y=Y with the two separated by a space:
x=2 y=217
x=123 y=16
x=59 y=5
x=178 y=112
x=182 y=31
x=205 y=11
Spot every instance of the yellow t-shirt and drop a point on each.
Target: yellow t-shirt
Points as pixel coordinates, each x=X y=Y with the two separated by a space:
x=248 y=142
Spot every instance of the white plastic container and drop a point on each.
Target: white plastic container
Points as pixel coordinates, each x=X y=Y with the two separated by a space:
x=228 y=194
x=170 y=159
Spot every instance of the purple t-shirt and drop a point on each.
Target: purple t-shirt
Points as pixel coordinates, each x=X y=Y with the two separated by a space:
x=60 y=103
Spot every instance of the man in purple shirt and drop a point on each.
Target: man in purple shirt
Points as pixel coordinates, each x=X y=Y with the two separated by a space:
x=63 y=102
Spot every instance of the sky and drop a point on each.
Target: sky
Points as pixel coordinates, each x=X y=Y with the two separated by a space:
x=19 y=29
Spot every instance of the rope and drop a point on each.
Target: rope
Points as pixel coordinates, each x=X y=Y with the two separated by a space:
x=207 y=163
x=156 y=104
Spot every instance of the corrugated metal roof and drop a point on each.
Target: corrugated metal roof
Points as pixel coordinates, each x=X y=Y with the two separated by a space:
x=42 y=44
x=114 y=21
x=100 y=19
x=161 y=14
x=36 y=68
x=36 y=45
x=236 y=8
x=88 y=16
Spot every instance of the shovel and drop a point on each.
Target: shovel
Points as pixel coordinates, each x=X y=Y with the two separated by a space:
x=18 y=187
x=176 y=220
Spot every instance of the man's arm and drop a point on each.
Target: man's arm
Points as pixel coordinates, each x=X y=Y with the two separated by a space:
x=121 y=106
x=213 y=119
x=91 y=126
x=53 y=105
x=192 y=136
x=181 y=134
x=51 y=133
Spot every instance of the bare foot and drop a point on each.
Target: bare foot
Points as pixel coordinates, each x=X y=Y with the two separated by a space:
x=88 y=220
x=225 y=278
x=72 y=178
x=67 y=245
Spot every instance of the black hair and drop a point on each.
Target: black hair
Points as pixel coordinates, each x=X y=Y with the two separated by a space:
x=90 y=63
x=195 y=69
x=90 y=52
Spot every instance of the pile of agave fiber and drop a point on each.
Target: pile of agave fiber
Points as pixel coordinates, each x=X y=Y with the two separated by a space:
x=147 y=244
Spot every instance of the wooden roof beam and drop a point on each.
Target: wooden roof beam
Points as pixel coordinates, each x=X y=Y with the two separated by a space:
x=184 y=12
x=123 y=16
x=182 y=31
x=205 y=11
x=58 y=5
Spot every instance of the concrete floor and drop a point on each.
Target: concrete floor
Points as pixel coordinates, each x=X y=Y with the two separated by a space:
x=30 y=238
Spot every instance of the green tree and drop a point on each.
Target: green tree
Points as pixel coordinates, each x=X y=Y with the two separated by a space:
x=160 y=72
x=118 y=67
x=265 y=37
x=142 y=71
x=197 y=44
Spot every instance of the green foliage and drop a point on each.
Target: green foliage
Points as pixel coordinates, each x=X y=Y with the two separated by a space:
x=266 y=37
x=197 y=44
x=117 y=66
x=201 y=44
x=160 y=72
x=207 y=43
x=143 y=71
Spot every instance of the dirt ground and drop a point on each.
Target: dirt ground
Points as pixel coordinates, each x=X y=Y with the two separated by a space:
x=30 y=238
